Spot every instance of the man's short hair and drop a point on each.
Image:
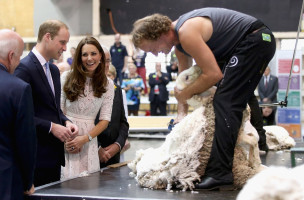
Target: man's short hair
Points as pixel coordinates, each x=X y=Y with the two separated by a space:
x=50 y=26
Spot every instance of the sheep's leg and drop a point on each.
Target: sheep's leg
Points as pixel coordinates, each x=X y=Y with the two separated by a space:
x=254 y=155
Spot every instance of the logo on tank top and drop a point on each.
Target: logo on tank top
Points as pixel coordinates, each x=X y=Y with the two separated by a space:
x=233 y=62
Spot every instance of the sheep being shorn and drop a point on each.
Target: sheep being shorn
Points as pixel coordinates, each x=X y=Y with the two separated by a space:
x=178 y=160
x=182 y=158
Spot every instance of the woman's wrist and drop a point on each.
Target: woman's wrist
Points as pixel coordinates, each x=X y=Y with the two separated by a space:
x=85 y=139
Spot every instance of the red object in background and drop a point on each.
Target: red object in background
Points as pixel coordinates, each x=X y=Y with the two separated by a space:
x=147 y=113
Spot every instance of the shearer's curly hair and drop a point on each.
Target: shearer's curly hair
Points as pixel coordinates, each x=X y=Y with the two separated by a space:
x=150 y=28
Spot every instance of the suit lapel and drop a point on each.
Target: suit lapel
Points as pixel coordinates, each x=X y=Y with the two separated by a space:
x=42 y=75
x=270 y=82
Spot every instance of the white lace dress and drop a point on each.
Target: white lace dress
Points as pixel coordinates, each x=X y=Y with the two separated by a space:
x=83 y=112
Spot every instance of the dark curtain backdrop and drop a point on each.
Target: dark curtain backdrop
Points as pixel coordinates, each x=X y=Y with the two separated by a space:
x=279 y=15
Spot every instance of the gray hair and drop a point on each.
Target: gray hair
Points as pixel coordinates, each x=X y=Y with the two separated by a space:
x=7 y=43
x=105 y=49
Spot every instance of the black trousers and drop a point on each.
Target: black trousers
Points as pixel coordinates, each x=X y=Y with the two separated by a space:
x=158 y=104
x=256 y=119
x=44 y=176
x=241 y=76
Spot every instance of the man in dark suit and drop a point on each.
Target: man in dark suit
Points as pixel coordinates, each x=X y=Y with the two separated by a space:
x=268 y=87
x=17 y=129
x=52 y=127
x=112 y=140
x=159 y=94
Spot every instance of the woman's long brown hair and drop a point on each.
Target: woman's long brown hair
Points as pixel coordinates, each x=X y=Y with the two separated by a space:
x=75 y=81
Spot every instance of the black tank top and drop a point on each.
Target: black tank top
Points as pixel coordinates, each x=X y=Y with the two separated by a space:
x=229 y=27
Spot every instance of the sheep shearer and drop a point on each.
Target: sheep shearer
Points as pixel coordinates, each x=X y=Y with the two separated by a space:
x=232 y=49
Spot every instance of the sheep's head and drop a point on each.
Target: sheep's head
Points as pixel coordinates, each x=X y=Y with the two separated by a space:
x=187 y=77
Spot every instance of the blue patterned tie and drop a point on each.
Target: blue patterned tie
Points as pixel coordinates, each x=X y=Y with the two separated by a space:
x=48 y=76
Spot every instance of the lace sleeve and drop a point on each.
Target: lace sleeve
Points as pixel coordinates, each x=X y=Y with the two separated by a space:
x=63 y=97
x=107 y=103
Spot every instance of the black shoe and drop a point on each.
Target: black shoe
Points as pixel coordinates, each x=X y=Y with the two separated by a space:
x=264 y=147
x=209 y=183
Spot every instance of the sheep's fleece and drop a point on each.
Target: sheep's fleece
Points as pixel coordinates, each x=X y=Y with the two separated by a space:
x=275 y=183
x=182 y=158
x=278 y=138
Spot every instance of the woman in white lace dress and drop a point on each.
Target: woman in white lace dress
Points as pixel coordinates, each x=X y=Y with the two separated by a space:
x=86 y=90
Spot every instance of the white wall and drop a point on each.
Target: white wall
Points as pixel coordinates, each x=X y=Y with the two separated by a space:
x=77 y=14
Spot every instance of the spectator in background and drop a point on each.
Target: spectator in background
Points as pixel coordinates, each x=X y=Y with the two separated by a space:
x=119 y=57
x=113 y=139
x=268 y=116
x=139 y=58
x=159 y=94
x=112 y=74
x=52 y=126
x=268 y=89
x=133 y=85
x=17 y=128
x=62 y=65
x=173 y=67
x=70 y=59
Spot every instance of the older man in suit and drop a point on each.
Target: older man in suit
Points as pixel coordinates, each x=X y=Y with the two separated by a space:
x=17 y=129
x=52 y=127
x=268 y=87
x=159 y=94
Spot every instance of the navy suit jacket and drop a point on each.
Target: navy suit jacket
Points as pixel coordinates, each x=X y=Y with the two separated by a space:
x=271 y=90
x=50 y=152
x=161 y=82
x=17 y=137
